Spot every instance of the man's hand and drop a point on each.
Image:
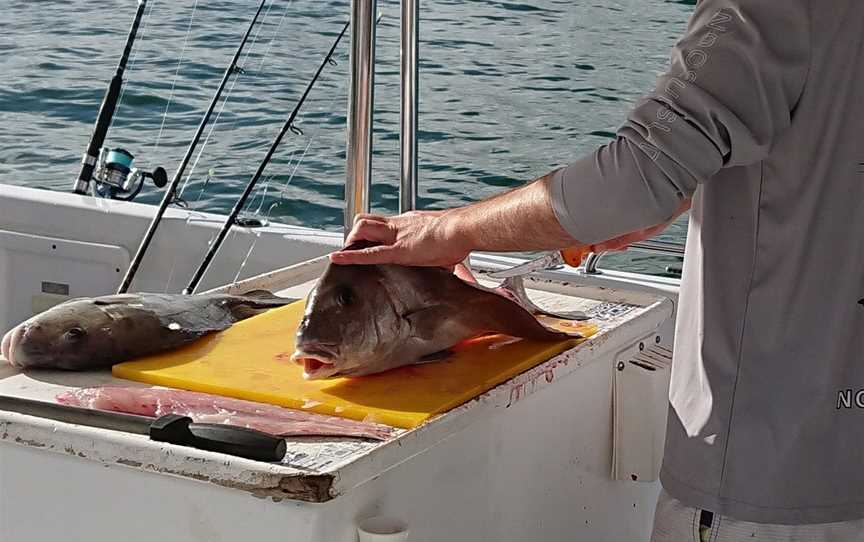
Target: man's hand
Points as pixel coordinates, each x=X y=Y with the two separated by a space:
x=422 y=238
x=515 y=221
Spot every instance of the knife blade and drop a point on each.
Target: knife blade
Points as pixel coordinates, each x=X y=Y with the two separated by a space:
x=547 y=261
x=569 y=256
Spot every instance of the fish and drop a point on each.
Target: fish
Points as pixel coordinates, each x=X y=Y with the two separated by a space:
x=206 y=408
x=366 y=319
x=92 y=333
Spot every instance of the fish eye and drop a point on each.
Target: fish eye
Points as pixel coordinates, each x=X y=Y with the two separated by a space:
x=345 y=296
x=74 y=334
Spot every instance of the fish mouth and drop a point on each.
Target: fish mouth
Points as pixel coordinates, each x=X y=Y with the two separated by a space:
x=9 y=346
x=318 y=363
x=6 y=346
x=21 y=350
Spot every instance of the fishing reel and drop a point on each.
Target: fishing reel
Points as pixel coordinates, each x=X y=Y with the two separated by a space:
x=115 y=178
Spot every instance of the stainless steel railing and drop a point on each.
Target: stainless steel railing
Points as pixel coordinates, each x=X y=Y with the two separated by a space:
x=361 y=99
x=655 y=247
x=408 y=181
x=361 y=105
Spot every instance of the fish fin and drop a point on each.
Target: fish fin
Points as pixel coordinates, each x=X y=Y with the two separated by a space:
x=242 y=311
x=492 y=312
x=256 y=302
x=117 y=299
x=434 y=356
x=260 y=294
x=206 y=313
x=264 y=298
x=513 y=288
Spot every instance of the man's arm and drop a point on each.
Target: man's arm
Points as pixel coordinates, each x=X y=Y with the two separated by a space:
x=517 y=220
x=734 y=81
x=520 y=219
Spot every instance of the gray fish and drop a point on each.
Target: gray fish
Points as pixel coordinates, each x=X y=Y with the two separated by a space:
x=364 y=319
x=89 y=333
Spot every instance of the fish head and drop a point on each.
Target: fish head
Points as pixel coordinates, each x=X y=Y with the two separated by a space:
x=65 y=336
x=351 y=320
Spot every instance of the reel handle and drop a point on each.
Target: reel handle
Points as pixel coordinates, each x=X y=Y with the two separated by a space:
x=159 y=176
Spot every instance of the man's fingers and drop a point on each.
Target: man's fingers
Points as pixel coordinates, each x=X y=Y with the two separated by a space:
x=463 y=272
x=371 y=230
x=366 y=256
x=368 y=216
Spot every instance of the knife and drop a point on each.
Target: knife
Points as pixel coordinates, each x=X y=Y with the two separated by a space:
x=171 y=428
x=568 y=256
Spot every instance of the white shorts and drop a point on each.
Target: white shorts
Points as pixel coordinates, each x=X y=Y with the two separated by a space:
x=676 y=522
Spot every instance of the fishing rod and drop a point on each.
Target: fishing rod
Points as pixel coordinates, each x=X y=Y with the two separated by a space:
x=169 y=194
x=106 y=110
x=232 y=218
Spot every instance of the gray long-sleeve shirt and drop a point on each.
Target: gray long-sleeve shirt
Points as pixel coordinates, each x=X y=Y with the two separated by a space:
x=759 y=118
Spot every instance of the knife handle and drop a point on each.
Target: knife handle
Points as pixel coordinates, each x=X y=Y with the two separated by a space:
x=227 y=439
x=574 y=256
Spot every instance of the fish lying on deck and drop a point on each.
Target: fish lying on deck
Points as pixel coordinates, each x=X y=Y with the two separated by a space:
x=364 y=319
x=205 y=408
x=89 y=333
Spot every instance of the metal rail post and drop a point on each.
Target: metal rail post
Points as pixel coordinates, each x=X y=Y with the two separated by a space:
x=358 y=174
x=410 y=27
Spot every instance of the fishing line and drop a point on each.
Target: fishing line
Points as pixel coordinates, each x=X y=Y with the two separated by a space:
x=293 y=172
x=246 y=258
x=288 y=125
x=138 y=47
x=176 y=76
x=169 y=192
x=281 y=198
x=267 y=183
x=207 y=139
x=211 y=173
x=284 y=189
x=273 y=37
x=191 y=215
x=240 y=71
x=233 y=126
x=263 y=195
x=273 y=205
x=263 y=191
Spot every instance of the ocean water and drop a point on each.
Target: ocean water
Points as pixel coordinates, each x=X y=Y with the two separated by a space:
x=509 y=90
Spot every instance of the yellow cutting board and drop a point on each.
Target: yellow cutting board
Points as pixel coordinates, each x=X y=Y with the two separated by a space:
x=250 y=360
